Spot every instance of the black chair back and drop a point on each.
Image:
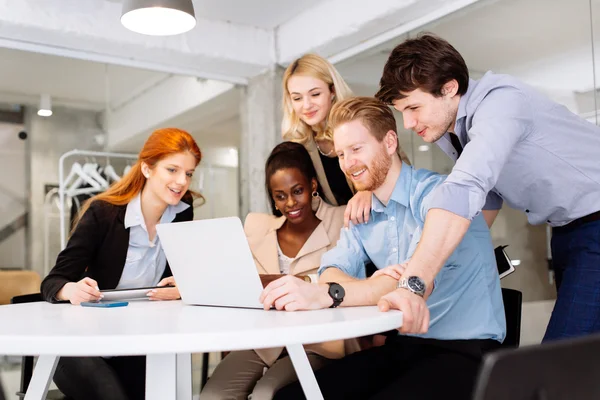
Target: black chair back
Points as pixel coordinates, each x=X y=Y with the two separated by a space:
x=26 y=298
x=513 y=302
x=567 y=369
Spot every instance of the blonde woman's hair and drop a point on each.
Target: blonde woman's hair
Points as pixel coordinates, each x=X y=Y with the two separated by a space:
x=292 y=127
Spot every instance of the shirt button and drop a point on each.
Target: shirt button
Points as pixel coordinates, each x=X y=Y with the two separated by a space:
x=394 y=250
x=392 y=218
x=526 y=211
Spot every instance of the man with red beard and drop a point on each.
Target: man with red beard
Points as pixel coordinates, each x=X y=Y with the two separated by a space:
x=430 y=358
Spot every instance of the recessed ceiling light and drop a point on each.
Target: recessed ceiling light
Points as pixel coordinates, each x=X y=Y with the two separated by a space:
x=424 y=147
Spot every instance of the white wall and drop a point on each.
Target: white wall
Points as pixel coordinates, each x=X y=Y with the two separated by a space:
x=13 y=194
x=49 y=138
x=217 y=179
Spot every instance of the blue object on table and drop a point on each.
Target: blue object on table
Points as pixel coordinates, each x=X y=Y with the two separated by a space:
x=108 y=304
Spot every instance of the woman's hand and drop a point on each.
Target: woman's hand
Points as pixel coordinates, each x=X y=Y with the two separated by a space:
x=170 y=292
x=79 y=292
x=358 y=209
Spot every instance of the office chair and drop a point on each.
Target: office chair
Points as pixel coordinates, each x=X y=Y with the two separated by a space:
x=567 y=369
x=1 y=392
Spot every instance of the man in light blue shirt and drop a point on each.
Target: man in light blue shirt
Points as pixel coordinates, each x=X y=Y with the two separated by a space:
x=518 y=146
x=467 y=314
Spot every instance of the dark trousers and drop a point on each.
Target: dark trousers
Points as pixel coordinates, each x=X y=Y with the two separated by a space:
x=576 y=261
x=404 y=368
x=97 y=378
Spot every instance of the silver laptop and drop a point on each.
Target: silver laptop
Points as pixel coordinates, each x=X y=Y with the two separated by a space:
x=211 y=262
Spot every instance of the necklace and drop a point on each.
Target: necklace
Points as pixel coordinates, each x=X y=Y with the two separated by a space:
x=321 y=151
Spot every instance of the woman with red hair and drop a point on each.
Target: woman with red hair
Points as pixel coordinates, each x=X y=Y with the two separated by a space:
x=114 y=246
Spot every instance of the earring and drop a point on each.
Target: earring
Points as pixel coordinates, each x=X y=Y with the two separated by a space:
x=315 y=194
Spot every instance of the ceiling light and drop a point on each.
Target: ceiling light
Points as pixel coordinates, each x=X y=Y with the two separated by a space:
x=45 y=109
x=424 y=147
x=158 y=17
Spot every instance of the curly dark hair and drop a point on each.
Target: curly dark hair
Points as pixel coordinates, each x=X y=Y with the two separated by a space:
x=288 y=155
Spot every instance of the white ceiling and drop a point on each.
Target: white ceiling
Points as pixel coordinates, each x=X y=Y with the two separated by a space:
x=70 y=82
x=266 y=14
x=214 y=124
x=545 y=43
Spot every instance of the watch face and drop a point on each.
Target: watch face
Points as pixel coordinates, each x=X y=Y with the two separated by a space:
x=336 y=291
x=416 y=284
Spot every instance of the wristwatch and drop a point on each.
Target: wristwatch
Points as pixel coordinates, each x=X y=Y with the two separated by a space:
x=337 y=293
x=414 y=284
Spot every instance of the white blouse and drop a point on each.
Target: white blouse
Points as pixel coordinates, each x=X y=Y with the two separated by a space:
x=284 y=261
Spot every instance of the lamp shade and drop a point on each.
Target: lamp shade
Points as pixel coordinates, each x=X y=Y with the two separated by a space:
x=158 y=17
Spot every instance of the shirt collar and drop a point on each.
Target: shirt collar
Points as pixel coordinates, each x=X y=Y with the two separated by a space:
x=134 y=216
x=464 y=99
x=401 y=192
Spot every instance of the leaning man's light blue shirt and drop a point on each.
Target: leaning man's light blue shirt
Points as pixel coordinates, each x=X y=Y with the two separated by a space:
x=146 y=261
x=466 y=302
x=524 y=148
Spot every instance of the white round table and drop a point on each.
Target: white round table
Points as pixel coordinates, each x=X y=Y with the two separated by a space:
x=168 y=332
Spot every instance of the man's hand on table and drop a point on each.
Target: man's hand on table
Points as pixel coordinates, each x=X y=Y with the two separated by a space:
x=415 y=313
x=292 y=294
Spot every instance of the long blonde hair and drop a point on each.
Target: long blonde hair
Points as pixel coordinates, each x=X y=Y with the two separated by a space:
x=292 y=127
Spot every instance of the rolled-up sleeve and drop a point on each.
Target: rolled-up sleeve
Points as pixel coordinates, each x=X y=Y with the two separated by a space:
x=502 y=119
x=493 y=201
x=348 y=255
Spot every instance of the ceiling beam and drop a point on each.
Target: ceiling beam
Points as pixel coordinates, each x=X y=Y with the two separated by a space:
x=91 y=30
x=357 y=28
x=173 y=97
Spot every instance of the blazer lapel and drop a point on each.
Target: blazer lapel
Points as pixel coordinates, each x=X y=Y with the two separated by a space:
x=318 y=240
x=265 y=250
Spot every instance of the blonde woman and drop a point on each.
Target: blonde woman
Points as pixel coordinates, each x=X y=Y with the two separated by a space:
x=311 y=86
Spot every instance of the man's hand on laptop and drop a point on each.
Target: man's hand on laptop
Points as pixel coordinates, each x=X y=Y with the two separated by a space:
x=292 y=294
x=415 y=318
x=170 y=292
